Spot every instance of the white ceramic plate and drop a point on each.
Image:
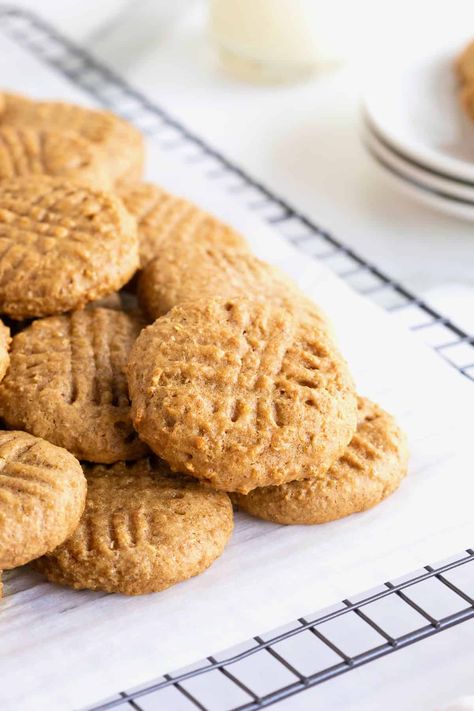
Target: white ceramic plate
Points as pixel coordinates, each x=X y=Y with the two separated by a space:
x=414 y=106
x=413 y=172
x=463 y=209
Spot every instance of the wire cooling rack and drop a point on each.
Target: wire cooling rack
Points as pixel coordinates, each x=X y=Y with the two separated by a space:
x=451 y=342
x=317 y=647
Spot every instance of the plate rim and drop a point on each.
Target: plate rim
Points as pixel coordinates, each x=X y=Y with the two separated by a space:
x=454 y=168
x=419 y=193
x=428 y=180
x=407 y=158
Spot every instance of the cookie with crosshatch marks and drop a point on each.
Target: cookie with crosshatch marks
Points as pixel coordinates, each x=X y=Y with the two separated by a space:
x=143 y=530
x=190 y=269
x=371 y=468
x=66 y=383
x=30 y=151
x=5 y=341
x=120 y=144
x=165 y=220
x=465 y=64
x=465 y=72
x=241 y=393
x=199 y=271
x=61 y=246
x=42 y=497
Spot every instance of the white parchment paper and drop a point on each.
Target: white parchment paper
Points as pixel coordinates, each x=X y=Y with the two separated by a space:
x=63 y=650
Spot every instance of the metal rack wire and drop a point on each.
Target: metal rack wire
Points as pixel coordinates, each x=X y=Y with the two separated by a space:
x=328 y=656
x=404 y=598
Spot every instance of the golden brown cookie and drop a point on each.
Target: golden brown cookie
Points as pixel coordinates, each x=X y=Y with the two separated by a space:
x=31 y=151
x=241 y=393
x=142 y=531
x=370 y=469
x=61 y=246
x=465 y=64
x=465 y=73
x=466 y=97
x=164 y=219
x=121 y=144
x=198 y=271
x=5 y=341
x=42 y=496
x=66 y=383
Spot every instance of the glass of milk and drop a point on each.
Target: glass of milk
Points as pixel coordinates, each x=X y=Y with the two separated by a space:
x=281 y=40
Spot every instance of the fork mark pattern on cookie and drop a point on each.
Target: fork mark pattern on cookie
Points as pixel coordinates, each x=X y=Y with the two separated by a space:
x=222 y=393
x=143 y=530
x=370 y=469
x=42 y=496
x=61 y=245
x=73 y=390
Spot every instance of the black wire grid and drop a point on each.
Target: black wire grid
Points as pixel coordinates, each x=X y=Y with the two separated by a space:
x=226 y=672
x=328 y=658
x=451 y=342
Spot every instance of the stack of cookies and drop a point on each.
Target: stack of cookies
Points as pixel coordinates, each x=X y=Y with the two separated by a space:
x=158 y=371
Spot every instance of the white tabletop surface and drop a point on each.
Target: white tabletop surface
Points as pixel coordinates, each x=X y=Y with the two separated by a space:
x=302 y=141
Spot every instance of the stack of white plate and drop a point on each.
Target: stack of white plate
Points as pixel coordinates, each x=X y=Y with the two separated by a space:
x=417 y=133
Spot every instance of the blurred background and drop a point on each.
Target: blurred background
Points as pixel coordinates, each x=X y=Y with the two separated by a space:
x=281 y=97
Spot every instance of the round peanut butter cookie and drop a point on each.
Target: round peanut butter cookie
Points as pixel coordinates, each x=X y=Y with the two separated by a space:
x=466 y=97
x=42 y=497
x=120 y=143
x=66 y=383
x=164 y=220
x=61 y=246
x=465 y=64
x=465 y=72
x=31 y=151
x=143 y=530
x=370 y=469
x=241 y=393
x=197 y=271
x=5 y=341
